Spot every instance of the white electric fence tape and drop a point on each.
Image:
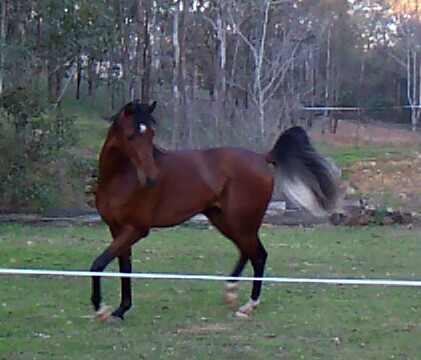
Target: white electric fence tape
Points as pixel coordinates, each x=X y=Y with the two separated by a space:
x=332 y=281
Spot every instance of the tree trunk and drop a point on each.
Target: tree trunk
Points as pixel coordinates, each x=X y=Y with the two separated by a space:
x=142 y=57
x=51 y=68
x=78 y=74
x=411 y=84
x=327 y=79
x=2 y=41
x=414 y=118
x=57 y=90
x=145 y=70
x=313 y=70
x=175 y=81
x=220 y=70
x=118 y=55
x=258 y=73
x=90 y=79
x=186 y=131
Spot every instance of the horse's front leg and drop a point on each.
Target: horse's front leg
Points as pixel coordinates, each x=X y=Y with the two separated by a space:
x=124 y=238
x=98 y=266
x=125 y=266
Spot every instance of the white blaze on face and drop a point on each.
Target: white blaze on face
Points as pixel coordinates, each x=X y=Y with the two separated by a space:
x=142 y=128
x=141 y=177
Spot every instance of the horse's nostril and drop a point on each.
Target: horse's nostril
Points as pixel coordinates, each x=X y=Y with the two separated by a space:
x=151 y=182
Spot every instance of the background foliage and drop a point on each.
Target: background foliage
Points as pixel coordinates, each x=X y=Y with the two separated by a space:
x=223 y=72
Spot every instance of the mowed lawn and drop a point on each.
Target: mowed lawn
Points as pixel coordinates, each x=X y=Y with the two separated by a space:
x=51 y=318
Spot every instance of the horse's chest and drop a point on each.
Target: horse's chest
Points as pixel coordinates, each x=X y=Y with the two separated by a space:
x=117 y=201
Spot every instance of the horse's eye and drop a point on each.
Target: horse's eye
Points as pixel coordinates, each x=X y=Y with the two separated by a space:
x=142 y=128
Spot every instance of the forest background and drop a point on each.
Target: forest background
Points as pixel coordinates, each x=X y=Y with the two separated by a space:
x=224 y=72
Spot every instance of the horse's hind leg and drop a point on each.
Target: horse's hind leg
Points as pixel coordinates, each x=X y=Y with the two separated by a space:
x=216 y=217
x=245 y=237
x=258 y=257
x=250 y=248
x=231 y=287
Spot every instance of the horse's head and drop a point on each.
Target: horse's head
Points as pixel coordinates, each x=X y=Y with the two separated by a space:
x=134 y=137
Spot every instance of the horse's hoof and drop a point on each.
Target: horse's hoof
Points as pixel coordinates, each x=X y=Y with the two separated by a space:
x=103 y=313
x=231 y=295
x=241 y=315
x=231 y=300
x=114 y=319
x=245 y=310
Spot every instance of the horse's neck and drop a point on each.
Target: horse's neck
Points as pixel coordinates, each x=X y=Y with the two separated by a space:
x=111 y=160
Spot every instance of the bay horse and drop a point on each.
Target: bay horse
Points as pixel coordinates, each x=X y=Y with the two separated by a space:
x=141 y=186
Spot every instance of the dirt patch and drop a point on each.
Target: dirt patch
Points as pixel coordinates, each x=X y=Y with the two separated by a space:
x=399 y=178
x=393 y=178
x=400 y=175
x=351 y=133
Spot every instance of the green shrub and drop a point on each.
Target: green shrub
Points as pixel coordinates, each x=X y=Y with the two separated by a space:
x=33 y=158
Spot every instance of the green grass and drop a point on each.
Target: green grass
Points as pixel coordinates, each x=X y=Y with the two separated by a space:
x=50 y=318
x=91 y=134
x=345 y=155
x=89 y=122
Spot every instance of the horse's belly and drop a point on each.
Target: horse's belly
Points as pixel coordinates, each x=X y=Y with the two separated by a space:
x=168 y=221
x=171 y=215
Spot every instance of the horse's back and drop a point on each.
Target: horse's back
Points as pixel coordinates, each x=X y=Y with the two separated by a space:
x=240 y=165
x=217 y=166
x=247 y=185
x=216 y=162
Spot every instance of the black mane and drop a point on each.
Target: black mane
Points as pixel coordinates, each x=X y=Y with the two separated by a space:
x=138 y=110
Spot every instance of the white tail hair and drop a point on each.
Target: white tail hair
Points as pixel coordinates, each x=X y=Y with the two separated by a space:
x=301 y=194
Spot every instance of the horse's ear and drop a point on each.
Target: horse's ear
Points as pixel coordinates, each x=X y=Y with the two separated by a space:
x=152 y=107
x=128 y=108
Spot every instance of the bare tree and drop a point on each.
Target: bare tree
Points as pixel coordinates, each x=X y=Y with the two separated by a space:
x=175 y=77
x=412 y=32
x=218 y=95
x=272 y=60
x=2 y=41
x=408 y=24
x=143 y=57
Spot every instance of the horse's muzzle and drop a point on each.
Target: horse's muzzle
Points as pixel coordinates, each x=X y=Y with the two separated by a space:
x=151 y=181
x=146 y=181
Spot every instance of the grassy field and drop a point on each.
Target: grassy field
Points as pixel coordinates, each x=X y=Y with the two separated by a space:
x=345 y=155
x=51 y=318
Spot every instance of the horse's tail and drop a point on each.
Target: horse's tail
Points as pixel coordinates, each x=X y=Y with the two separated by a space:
x=306 y=176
